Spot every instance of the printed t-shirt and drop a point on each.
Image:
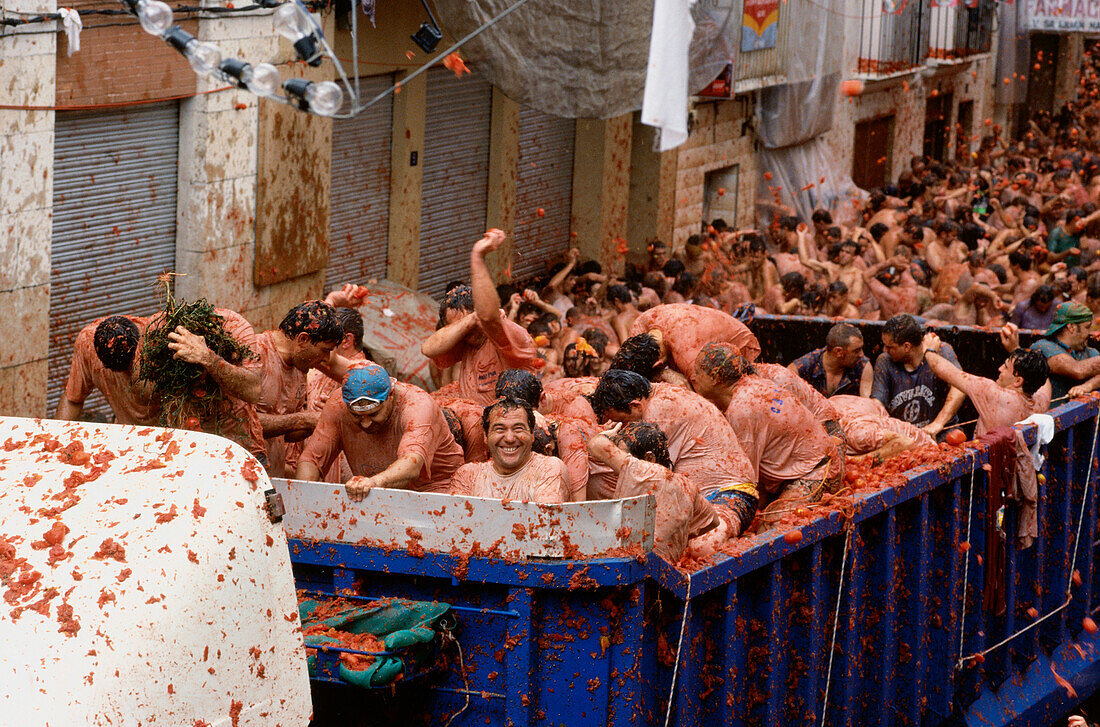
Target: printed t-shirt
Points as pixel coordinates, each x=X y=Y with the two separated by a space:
x=416 y=426
x=913 y=396
x=542 y=479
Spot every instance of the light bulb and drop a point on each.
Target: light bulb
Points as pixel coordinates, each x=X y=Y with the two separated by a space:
x=155 y=16
x=203 y=57
x=262 y=79
x=324 y=98
x=292 y=22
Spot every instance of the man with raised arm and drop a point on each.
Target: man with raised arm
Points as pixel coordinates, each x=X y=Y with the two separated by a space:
x=475 y=333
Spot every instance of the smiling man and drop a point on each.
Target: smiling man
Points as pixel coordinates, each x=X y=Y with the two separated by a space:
x=513 y=471
x=393 y=434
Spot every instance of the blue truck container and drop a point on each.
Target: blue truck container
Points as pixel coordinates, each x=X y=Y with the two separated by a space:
x=875 y=617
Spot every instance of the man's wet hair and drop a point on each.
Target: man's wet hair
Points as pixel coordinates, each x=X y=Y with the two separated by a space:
x=1000 y=272
x=643 y=439
x=351 y=321
x=544 y=443
x=814 y=297
x=793 y=282
x=789 y=223
x=638 y=354
x=879 y=229
x=719 y=224
x=314 y=318
x=458 y=298
x=834 y=233
x=576 y=363
x=904 y=328
x=540 y=326
x=1032 y=367
x=452 y=285
x=684 y=284
x=838 y=287
x=1020 y=259
x=619 y=293
x=116 y=340
x=617 y=390
x=657 y=282
x=596 y=338
x=519 y=384
x=841 y=334
x=822 y=216
x=506 y=404
x=977 y=258
x=971 y=234
x=455 y=425
x=589 y=266
x=1078 y=273
x=1043 y=294
x=673 y=268
x=723 y=363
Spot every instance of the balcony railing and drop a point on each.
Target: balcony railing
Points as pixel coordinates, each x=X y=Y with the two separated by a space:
x=893 y=36
x=962 y=30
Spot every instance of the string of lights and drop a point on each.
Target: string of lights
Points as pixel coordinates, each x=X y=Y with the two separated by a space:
x=31 y=18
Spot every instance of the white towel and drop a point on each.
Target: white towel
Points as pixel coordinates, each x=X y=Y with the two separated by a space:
x=1044 y=423
x=72 y=25
x=665 y=102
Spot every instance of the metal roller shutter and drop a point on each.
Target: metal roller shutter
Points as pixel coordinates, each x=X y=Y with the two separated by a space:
x=114 y=222
x=456 y=177
x=544 y=181
x=359 y=223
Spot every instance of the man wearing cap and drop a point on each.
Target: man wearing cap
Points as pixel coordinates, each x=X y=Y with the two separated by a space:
x=393 y=435
x=1074 y=366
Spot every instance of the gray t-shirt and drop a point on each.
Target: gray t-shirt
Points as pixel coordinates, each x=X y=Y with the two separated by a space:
x=912 y=396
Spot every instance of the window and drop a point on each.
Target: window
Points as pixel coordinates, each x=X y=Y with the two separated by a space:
x=893 y=36
x=961 y=30
x=720 y=195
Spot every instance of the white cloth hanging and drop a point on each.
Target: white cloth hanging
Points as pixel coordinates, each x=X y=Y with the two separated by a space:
x=72 y=25
x=665 y=103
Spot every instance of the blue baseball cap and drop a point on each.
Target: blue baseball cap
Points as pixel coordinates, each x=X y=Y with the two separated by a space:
x=366 y=386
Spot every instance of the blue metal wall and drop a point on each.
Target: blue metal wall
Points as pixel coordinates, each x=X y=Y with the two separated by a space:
x=594 y=642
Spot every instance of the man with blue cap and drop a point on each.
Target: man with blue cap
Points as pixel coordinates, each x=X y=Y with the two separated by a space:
x=393 y=435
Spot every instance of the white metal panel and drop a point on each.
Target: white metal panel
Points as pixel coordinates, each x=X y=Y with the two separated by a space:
x=544 y=181
x=187 y=616
x=114 y=222
x=442 y=523
x=360 y=196
x=456 y=177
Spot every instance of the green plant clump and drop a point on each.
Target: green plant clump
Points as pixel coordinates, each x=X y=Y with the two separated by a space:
x=185 y=389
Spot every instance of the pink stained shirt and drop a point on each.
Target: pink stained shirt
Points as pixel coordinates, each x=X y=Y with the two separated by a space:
x=679 y=504
x=542 y=479
x=996 y=405
x=687 y=328
x=416 y=426
x=319 y=388
x=807 y=395
x=866 y=424
x=479 y=368
x=282 y=391
x=701 y=444
x=127 y=398
x=782 y=438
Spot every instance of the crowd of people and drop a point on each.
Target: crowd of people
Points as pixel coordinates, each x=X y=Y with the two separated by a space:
x=591 y=385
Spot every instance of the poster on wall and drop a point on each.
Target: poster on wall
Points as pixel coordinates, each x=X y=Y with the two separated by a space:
x=1060 y=16
x=760 y=25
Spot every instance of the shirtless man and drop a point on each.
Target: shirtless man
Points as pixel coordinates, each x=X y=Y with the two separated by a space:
x=475 y=333
x=622 y=300
x=393 y=434
x=514 y=471
x=702 y=446
x=794 y=458
x=1001 y=403
x=760 y=273
x=895 y=291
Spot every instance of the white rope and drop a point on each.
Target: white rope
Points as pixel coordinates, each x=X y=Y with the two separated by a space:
x=966 y=563
x=1072 y=562
x=836 y=621
x=679 y=645
x=462 y=669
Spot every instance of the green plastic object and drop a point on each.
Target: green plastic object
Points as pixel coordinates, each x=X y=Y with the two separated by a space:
x=407 y=627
